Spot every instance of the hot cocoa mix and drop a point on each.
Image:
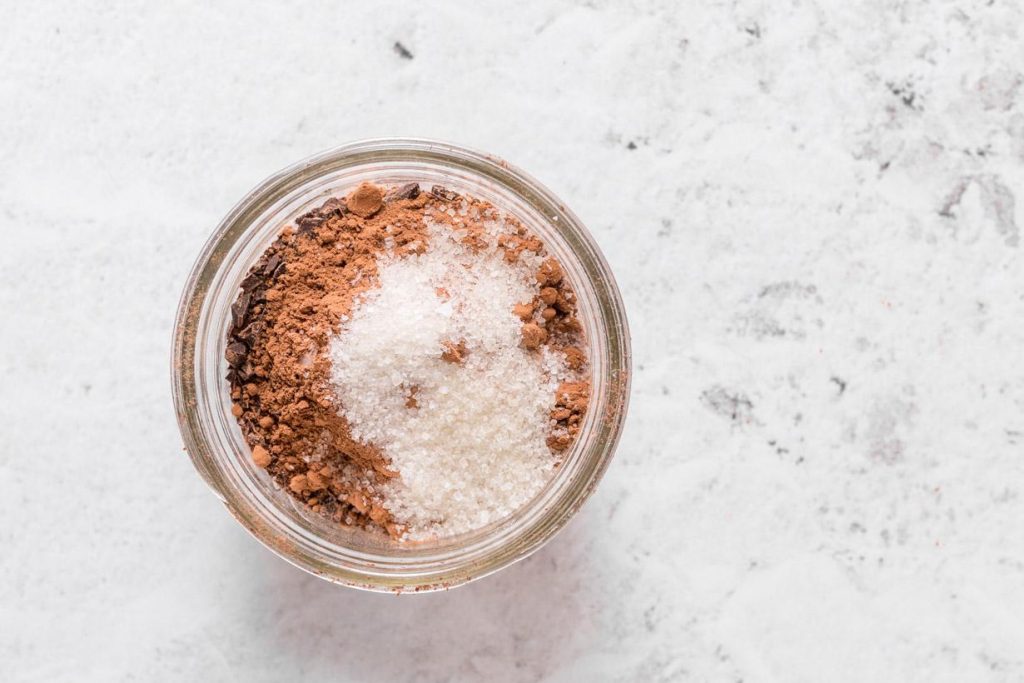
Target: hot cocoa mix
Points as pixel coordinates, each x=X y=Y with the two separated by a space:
x=406 y=360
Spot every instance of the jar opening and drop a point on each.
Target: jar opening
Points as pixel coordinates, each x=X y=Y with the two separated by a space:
x=215 y=443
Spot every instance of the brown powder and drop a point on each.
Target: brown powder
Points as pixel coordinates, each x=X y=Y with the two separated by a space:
x=365 y=201
x=292 y=302
x=571 y=400
x=454 y=352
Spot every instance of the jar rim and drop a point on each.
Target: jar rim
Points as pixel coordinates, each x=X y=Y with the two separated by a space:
x=198 y=345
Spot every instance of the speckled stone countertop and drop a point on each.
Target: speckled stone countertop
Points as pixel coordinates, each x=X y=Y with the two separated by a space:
x=814 y=212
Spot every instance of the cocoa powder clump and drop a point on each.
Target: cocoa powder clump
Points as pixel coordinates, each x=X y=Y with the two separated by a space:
x=454 y=352
x=571 y=401
x=365 y=201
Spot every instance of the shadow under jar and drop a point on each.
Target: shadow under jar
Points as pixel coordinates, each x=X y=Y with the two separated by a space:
x=213 y=439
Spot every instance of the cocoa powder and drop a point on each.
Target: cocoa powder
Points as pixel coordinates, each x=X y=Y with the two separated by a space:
x=294 y=299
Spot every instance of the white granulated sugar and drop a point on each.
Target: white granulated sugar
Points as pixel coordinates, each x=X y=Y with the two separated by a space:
x=474 y=450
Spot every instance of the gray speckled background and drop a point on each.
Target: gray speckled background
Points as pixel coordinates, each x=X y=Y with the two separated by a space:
x=814 y=211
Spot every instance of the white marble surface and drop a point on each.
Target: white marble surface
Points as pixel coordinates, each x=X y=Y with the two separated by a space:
x=814 y=210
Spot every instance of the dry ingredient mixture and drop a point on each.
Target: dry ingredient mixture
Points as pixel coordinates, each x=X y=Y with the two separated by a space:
x=408 y=360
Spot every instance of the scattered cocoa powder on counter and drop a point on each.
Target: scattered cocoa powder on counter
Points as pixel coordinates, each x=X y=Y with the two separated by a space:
x=293 y=303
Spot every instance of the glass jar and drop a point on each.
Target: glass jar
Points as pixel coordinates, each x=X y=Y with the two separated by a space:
x=214 y=441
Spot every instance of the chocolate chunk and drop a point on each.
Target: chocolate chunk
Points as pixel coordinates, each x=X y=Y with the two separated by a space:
x=442 y=192
x=407 y=191
x=308 y=221
x=251 y=281
x=271 y=265
x=245 y=372
x=250 y=332
x=333 y=206
x=316 y=217
x=240 y=309
x=235 y=353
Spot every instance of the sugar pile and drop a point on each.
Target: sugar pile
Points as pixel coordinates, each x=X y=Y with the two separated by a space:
x=468 y=437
